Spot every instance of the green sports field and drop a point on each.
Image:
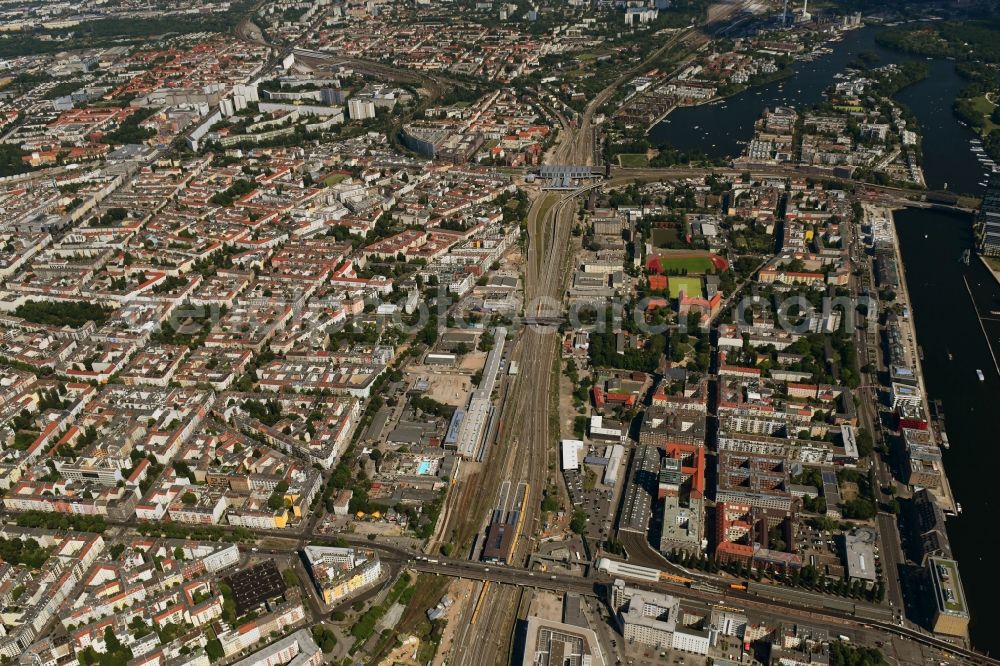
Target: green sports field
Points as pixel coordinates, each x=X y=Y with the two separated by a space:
x=691 y=285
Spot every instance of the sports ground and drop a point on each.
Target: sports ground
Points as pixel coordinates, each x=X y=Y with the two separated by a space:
x=697 y=263
x=690 y=284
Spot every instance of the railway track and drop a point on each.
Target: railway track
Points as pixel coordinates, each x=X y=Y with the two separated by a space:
x=484 y=638
x=525 y=448
x=523 y=451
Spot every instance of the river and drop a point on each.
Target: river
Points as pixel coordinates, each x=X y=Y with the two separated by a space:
x=946 y=321
x=722 y=129
x=931 y=242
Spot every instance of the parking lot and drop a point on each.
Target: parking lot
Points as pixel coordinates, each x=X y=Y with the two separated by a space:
x=593 y=498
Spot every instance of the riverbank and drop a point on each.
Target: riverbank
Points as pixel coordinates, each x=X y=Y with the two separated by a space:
x=907 y=325
x=759 y=81
x=722 y=130
x=972 y=43
x=952 y=336
x=780 y=75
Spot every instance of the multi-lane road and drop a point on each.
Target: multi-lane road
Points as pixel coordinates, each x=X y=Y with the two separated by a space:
x=511 y=581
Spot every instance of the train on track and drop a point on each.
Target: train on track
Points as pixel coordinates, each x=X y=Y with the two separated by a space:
x=504 y=530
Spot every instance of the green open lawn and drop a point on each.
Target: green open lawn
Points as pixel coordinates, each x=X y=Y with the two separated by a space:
x=985 y=107
x=691 y=264
x=633 y=160
x=690 y=285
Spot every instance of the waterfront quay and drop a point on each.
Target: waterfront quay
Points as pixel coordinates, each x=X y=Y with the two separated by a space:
x=913 y=358
x=913 y=441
